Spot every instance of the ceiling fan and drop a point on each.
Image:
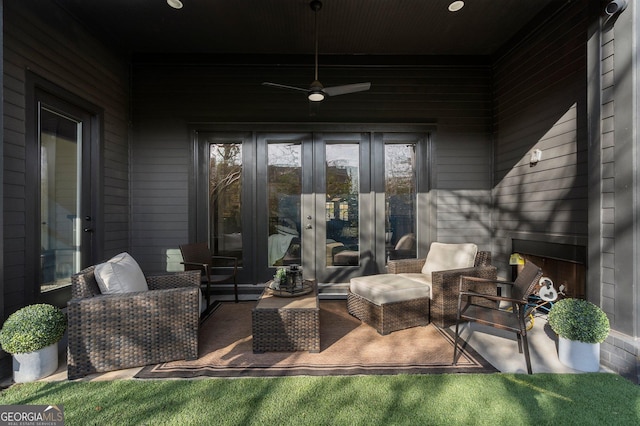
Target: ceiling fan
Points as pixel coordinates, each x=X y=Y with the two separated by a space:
x=316 y=91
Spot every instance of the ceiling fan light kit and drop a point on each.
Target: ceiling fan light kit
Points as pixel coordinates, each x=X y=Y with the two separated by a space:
x=176 y=4
x=316 y=91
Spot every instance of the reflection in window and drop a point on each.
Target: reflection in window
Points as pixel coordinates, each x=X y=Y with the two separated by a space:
x=400 y=200
x=284 y=166
x=225 y=187
x=60 y=173
x=342 y=204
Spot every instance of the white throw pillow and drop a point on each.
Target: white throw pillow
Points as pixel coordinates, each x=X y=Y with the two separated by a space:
x=120 y=274
x=444 y=257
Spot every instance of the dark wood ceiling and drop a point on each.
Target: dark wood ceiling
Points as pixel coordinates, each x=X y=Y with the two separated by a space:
x=274 y=27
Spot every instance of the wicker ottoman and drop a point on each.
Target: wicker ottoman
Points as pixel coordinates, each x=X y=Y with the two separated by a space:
x=286 y=324
x=389 y=302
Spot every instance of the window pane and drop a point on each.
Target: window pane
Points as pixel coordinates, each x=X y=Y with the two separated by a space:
x=60 y=233
x=400 y=200
x=225 y=187
x=342 y=204
x=285 y=189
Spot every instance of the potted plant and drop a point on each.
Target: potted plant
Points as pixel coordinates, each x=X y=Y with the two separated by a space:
x=31 y=335
x=581 y=326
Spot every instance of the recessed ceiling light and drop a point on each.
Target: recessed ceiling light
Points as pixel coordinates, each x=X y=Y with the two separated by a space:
x=176 y=4
x=456 y=6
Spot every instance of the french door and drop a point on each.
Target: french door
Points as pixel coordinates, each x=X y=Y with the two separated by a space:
x=335 y=203
x=315 y=207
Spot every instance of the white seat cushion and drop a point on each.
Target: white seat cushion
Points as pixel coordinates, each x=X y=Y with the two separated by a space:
x=388 y=288
x=419 y=277
x=120 y=274
x=444 y=257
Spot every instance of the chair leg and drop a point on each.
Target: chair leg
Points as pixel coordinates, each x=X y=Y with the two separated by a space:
x=235 y=288
x=455 y=343
x=527 y=358
x=519 y=343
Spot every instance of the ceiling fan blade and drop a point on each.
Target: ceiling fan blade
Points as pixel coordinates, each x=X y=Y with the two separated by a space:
x=284 y=86
x=347 y=88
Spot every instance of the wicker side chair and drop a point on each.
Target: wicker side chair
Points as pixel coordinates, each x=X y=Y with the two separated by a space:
x=109 y=332
x=445 y=284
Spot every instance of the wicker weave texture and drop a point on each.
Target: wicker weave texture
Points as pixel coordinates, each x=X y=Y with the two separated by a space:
x=445 y=284
x=389 y=317
x=444 y=291
x=117 y=331
x=287 y=327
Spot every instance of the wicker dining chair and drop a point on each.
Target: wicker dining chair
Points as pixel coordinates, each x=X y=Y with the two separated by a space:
x=496 y=316
x=109 y=332
x=214 y=269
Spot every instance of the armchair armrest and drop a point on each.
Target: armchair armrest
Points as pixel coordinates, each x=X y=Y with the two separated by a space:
x=174 y=280
x=403 y=266
x=490 y=297
x=225 y=258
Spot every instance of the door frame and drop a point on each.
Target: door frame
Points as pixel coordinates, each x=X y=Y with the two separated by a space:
x=198 y=220
x=42 y=91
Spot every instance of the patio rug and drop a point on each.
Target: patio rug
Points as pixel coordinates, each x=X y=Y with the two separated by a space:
x=347 y=347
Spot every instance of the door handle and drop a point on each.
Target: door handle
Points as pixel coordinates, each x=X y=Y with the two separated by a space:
x=88 y=229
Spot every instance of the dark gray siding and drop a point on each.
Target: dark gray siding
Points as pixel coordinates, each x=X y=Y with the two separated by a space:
x=616 y=217
x=167 y=98
x=540 y=103
x=42 y=39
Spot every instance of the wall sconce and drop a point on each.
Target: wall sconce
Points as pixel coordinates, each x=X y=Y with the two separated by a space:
x=536 y=155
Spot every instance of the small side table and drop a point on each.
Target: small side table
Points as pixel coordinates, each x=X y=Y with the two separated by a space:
x=286 y=323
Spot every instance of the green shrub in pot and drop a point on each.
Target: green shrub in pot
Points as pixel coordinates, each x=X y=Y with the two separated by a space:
x=32 y=328
x=579 y=320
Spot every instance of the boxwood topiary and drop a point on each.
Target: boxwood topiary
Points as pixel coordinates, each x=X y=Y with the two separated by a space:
x=32 y=328
x=577 y=319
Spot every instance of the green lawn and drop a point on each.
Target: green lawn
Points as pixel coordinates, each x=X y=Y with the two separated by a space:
x=491 y=399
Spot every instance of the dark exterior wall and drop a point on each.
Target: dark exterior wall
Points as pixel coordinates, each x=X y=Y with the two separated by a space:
x=454 y=96
x=540 y=103
x=615 y=225
x=41 y=39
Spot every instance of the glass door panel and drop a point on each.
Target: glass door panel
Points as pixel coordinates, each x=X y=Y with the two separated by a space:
x=225 y=190
x=342 y=206
x=400 y=200
x=284 y=190
x=60 y=183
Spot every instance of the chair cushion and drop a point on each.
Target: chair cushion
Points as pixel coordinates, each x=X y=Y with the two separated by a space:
x=388 y=288
x=120 y=274
x=444 y=257
x=419 y=277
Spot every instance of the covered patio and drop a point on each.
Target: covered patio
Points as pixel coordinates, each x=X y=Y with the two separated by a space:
x=521 y=118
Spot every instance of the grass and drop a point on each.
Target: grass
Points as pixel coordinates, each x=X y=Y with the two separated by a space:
x=581 y=399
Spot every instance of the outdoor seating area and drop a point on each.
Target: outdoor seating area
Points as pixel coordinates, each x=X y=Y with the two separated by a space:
x=150 y=320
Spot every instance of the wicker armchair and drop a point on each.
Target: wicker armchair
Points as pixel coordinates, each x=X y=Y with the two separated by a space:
x=444 y=284
x=117 y=331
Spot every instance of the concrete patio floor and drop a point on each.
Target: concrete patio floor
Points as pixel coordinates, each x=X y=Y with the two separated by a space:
x=498 y=347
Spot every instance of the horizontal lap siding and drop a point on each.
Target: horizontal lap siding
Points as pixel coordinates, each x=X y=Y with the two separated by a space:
x=169 y=97
x=540 y=103
x=41 y=38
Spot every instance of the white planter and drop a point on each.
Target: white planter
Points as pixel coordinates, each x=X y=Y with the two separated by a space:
x=35 y=365
x=579 y=355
